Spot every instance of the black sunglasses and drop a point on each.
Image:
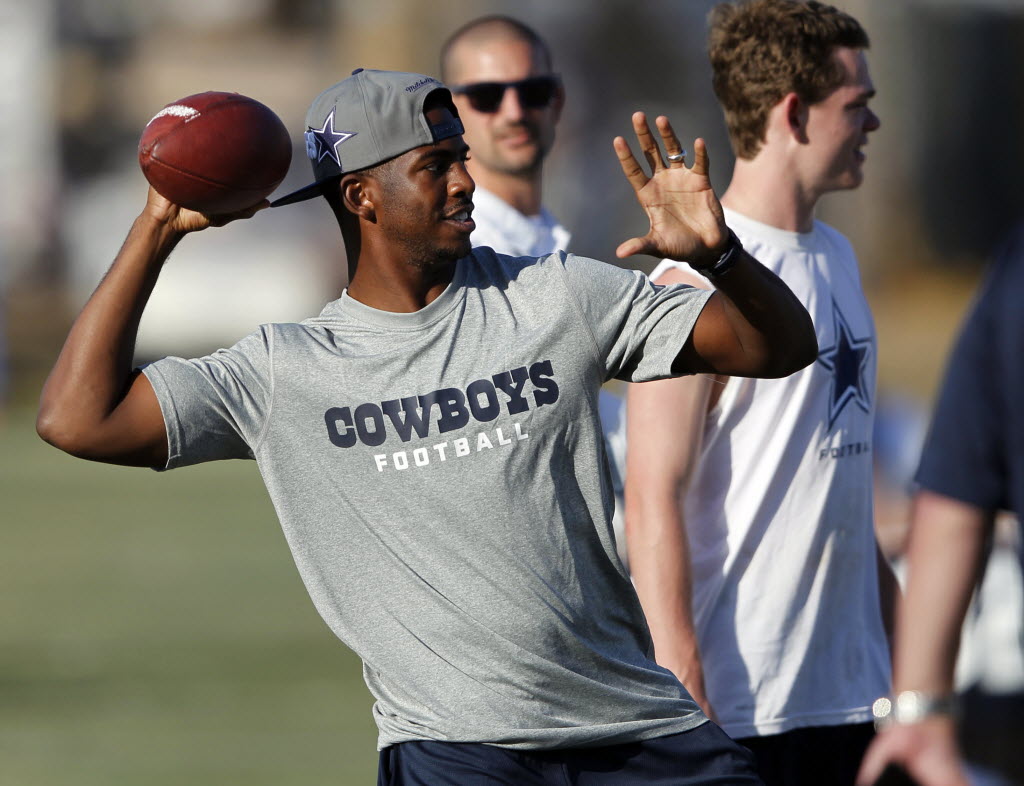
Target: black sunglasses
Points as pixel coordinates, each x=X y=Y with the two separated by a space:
x=536 y=92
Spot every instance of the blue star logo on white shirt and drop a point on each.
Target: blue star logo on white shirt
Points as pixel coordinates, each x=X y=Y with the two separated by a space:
x=323 y=143
x=847 y=359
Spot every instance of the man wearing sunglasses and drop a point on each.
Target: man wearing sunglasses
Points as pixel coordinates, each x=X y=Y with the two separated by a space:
x=500 y=75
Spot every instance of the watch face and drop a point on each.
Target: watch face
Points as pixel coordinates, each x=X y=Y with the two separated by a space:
x=911 y=706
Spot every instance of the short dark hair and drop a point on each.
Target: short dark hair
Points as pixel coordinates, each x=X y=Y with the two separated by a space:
x=485 y=28
x=764 y=49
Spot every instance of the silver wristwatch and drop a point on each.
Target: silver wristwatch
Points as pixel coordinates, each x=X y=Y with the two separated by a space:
x=911 y=706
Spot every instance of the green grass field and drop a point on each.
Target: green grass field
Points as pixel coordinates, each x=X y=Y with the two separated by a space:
x=153 y=630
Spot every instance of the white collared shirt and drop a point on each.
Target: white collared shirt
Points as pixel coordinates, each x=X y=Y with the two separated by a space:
x=507 y=231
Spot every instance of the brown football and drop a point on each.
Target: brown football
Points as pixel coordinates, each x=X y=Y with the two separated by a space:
x=215 y=152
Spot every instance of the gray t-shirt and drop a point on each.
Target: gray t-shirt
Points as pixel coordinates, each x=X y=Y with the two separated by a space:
x=441 y=480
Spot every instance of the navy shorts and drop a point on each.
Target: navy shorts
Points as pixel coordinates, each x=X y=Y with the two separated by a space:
x=813 y=756
x=705 y=755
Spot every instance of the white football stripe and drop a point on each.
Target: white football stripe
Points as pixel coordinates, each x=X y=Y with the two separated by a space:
x=177 y=110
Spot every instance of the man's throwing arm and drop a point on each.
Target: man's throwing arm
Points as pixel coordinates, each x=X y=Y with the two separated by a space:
x=94 y=404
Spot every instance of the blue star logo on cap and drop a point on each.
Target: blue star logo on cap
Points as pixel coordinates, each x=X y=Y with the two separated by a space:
x=323 y=143
x=847 y=359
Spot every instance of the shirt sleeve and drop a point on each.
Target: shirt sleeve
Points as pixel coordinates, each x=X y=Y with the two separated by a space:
x=963 y=455
x=214 y=407
x=638 y=327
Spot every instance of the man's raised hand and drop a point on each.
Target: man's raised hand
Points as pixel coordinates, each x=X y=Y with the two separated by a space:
x=687 y=223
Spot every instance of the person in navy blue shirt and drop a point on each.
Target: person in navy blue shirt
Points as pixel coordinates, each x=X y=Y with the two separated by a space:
x=972 y=467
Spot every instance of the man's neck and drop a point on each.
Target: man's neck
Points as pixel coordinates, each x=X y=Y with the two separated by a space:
x=397 y=286
x=764 y=189
x=522 y=192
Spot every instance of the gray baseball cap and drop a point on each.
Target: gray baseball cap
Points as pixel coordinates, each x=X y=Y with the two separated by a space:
x=366 y=119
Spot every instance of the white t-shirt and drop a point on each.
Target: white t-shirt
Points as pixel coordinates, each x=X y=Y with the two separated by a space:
x=779 y=513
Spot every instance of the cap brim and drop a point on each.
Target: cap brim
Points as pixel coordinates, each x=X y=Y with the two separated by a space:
x=309 y=192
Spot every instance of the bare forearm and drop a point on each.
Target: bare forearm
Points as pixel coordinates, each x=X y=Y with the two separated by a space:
x=659 y=559
x=943 y=563
x=93 y=369
x=772 y=333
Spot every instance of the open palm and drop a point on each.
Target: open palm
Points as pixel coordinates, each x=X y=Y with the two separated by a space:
x=687 y=222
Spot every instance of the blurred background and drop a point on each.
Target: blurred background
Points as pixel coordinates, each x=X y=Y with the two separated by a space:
x=152 y=628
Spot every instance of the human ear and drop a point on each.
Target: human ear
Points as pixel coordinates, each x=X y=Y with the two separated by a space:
x=357 y=197
x=795 y=111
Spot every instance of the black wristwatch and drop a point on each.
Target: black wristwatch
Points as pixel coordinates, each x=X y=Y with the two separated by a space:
x=726 y=261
